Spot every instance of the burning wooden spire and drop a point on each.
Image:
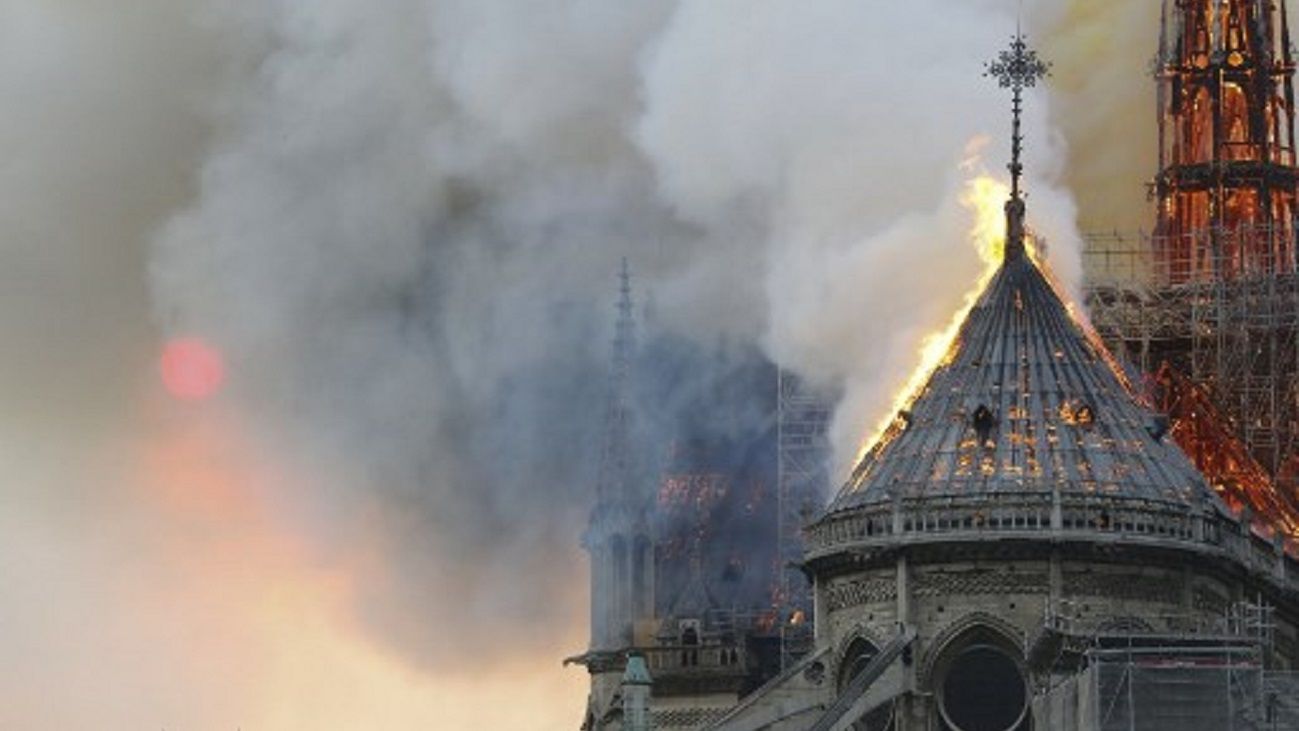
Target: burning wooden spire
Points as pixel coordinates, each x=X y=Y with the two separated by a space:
x=1228 y=184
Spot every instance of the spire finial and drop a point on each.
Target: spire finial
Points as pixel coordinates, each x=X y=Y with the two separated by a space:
x=1016 y=68
x=615 y=463
x=624 y=338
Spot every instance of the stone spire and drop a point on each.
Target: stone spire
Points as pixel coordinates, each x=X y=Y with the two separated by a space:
x=618 y=536
x=616 y=474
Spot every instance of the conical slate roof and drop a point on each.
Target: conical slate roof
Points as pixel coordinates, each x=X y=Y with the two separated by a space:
x=1024 y=403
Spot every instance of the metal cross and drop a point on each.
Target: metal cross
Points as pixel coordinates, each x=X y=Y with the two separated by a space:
x=1017 y=68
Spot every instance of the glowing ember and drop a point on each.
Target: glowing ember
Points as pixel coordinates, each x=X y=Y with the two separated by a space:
x=1204 y=434
x=191 y=369
x=984 y=197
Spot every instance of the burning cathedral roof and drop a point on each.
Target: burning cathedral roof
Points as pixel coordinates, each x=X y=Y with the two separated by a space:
x=1024 y=402
x=1026 y=425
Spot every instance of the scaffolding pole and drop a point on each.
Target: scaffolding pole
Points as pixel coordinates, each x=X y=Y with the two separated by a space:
x=803 y=474
x=1229 y=324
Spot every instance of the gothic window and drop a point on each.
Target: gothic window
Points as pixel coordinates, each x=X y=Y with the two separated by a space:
x=690 y=645
x=1235 y=123
x=859 y=655
x=1200 y=134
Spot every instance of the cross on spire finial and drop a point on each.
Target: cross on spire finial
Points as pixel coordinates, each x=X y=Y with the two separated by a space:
x=1017 y=68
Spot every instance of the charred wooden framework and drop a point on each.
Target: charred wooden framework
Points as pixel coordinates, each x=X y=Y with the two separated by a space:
x=1212 y=294
x=1226 y=131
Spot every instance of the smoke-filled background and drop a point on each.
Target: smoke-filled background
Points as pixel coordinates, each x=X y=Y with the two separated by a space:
x=398 y=225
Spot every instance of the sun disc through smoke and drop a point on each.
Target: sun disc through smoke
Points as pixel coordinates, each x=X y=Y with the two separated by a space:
x=191 y=369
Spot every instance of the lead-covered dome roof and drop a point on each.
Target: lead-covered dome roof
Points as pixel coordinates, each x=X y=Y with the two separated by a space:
x=1025 y=402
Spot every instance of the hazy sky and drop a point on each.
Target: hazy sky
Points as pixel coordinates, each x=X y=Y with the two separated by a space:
x=398 y=225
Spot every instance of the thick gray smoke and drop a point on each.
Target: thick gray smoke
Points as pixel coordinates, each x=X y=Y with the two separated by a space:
x=400 y=223
x=843 y=141
x=404 y=241
x=1105 y=105
x=406 y=226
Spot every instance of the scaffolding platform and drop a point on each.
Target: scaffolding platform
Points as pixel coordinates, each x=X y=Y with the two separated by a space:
x=1228 y=324
x=1180 y=673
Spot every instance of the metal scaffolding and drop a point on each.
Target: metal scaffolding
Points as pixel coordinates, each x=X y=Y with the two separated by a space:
x=1233 y=330
x=803 y=474
x=1179 y=673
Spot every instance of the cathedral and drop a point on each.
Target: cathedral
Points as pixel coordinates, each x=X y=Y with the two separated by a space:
x=1025 y=547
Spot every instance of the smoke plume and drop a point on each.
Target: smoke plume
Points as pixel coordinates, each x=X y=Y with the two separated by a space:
x=1103 y=101
x=399 y=223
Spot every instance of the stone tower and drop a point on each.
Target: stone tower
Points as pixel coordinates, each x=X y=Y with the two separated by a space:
x=618 y=536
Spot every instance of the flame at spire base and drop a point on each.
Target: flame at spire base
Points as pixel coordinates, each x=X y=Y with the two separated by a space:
x=984 y=198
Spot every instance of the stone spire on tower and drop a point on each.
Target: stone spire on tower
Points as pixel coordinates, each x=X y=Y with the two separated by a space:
x=615 y=479
x=619 y=536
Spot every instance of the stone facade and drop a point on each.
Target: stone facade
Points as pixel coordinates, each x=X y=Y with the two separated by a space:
x=1005 y=600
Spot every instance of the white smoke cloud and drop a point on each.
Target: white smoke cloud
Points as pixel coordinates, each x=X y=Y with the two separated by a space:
x=847 y=135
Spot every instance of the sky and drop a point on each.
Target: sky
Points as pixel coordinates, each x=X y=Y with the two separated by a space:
x=307 y=308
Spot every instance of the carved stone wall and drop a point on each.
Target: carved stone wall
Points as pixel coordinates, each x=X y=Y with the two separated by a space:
x=979 y=582
x=950 y=593
x=1208 y=600
x=1125 y=587
x=857 y=592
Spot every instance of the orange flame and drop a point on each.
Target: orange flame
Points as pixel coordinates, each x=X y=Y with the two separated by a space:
x=984 y=197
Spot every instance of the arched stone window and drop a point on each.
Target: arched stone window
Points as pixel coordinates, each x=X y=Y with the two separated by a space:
x=690 y=645
x=1237 y=135
x=859 y=654
x=980 y=683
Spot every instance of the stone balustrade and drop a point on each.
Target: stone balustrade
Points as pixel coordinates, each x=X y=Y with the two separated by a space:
x=1064 y=517
x=686 y=659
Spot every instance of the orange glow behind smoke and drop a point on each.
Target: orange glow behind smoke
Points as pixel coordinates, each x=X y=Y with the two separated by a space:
x=984 y=197
x=254 y=613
